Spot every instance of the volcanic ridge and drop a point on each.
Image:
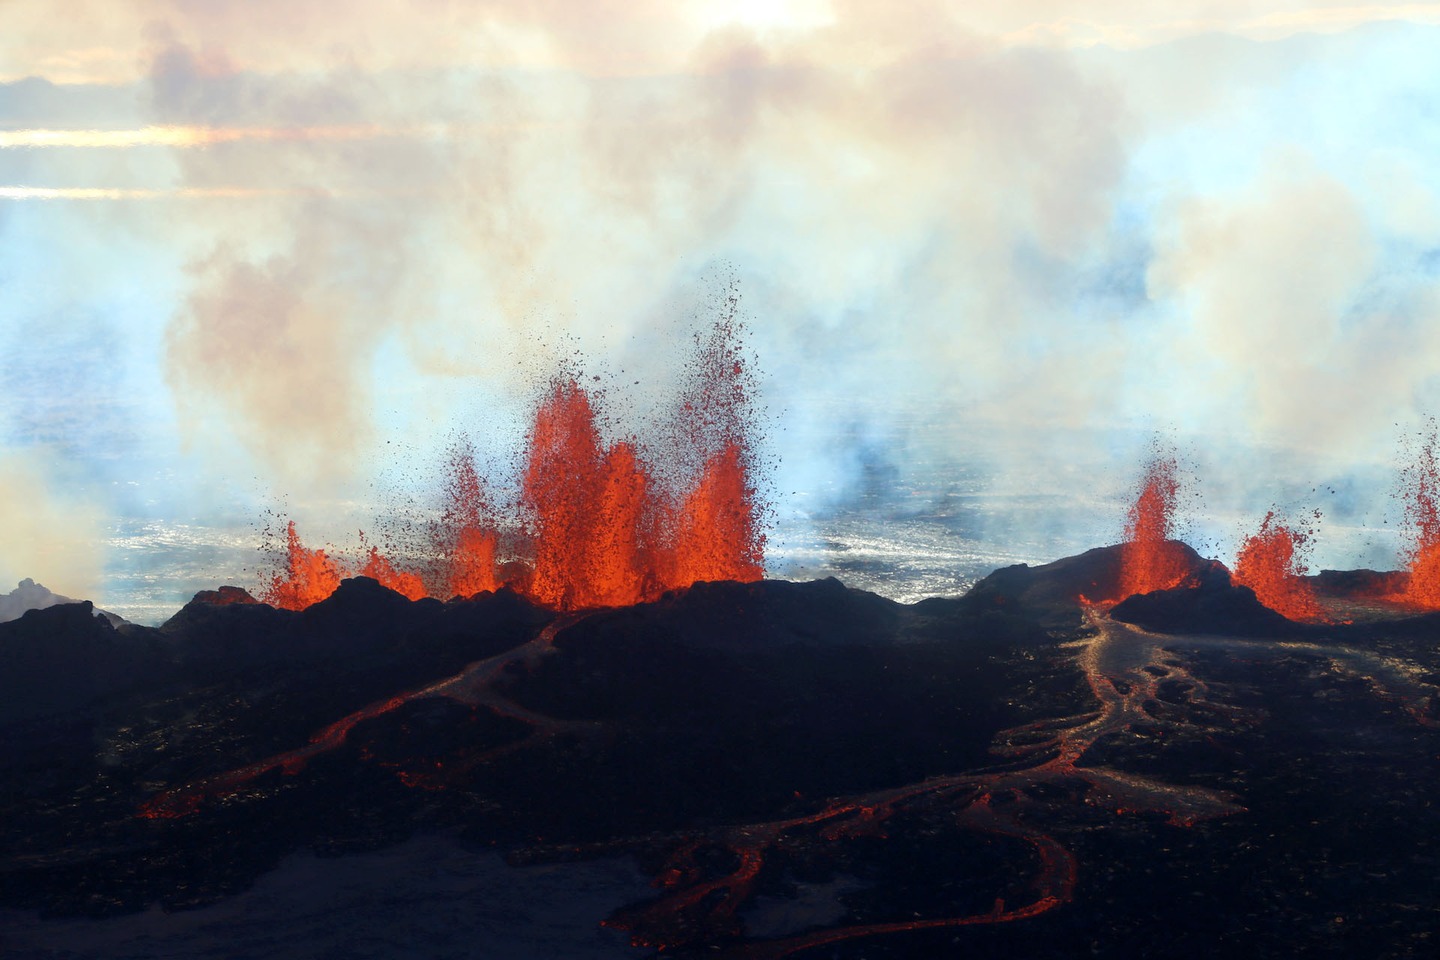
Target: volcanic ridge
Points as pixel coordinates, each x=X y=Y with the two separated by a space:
x=1135 y=751
x=1024 y=768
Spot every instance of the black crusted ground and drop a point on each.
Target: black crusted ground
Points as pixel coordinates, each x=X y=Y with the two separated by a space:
x=684 y=736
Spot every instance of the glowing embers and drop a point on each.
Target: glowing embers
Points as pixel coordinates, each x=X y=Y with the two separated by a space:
x=382 y=570
x=717 y=536
x=1149 y=559
x=310 y=576
x=1270 y=562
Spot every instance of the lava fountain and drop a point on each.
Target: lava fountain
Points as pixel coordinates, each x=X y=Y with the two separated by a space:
x=1270 y=562
x=310 y=575
x=1420 y=488
x=587 y=503
x=1149 y=559
x=596 y=524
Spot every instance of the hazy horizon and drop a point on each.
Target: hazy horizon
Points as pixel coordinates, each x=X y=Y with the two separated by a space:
x=273 y=262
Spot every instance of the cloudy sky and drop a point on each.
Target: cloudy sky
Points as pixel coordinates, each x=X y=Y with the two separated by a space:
x=266 y=255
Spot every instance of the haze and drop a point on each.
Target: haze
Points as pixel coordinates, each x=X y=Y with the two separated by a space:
x=268 y=257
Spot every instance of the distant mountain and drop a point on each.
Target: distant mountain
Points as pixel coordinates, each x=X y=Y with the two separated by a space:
x=29 y=595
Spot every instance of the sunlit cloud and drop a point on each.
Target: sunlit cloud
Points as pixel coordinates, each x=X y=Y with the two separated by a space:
x=1135 y=32
x=192 y=136
x=139 y=193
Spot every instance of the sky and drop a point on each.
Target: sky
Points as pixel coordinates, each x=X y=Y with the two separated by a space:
x=267 y=257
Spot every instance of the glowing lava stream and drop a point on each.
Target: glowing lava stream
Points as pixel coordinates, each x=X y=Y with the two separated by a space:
x=471 y=686
x=1125 y=667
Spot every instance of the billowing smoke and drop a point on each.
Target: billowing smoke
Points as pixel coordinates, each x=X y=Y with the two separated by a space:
x=51 y=538
x=889 y=221
x=968 y=245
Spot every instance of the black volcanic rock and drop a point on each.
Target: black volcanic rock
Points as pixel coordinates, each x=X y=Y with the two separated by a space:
x=361 y=624
x=1050 y=593
x=732 y=698
x=225 y=596
x=62 y=658
x=1359 y=583
x=29 y=595
x=863 y=762
x=760 y=615
x=1212 y=605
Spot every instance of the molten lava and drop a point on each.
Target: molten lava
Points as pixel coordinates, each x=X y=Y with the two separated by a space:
x=466 y=535
x=378 y=568
x=310 y=576
x=597 y=524
x=1421 y=490
x=587 y=504
x=716 y=538
x=1269 y=562
x=1149 y=559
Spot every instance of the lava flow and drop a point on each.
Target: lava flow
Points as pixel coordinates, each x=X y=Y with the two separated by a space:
x=1139 y=682
x=597 y=524
x=1143 y=689
x=1270 y=563
x=472 y=686
x=1149 y=559
x=1125 y=668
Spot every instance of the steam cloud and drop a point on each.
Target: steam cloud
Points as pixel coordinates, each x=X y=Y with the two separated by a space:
x=50 y=538
x=968 y=218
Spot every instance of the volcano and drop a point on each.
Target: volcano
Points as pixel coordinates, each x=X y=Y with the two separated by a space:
x=738 y=769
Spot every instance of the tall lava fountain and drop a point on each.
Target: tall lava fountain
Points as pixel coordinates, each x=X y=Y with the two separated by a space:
x=1149 y=559
x=596 y=524
x=1420 y=490
x=1270 y=562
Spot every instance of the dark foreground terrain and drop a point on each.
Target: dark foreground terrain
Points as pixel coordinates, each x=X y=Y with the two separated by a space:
x=758 y=770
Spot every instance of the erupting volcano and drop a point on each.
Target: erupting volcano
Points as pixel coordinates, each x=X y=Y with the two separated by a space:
x=1270 y=562
x=1149 y=559
x=597 y=524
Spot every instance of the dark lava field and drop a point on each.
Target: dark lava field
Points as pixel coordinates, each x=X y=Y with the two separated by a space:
x=755 y=770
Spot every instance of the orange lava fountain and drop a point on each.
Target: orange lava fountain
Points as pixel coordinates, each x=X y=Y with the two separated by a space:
x=1149 y=560
x=310 y=576
x=596 y=524
x=716 y=539
x=1270 y=563
x=1421 y=491
x=587 y=504
x=378 y=568
x=466 y=535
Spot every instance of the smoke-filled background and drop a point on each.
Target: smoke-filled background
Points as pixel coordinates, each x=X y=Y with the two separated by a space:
x=275 y=255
